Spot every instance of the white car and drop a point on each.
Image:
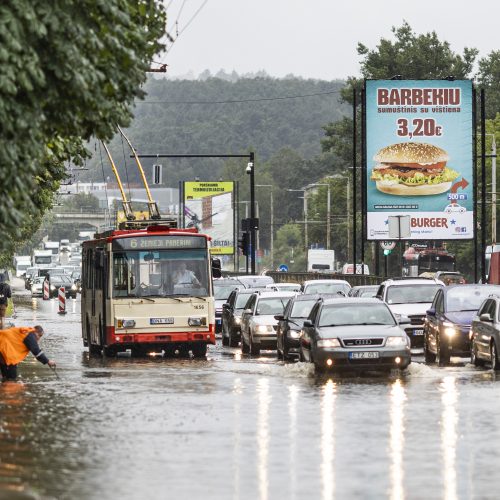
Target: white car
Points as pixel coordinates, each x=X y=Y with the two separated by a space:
x=258 y=322
x=37 y=286
x=454 y=207
x=326 y=286
x=410 y=297
x=283 y=287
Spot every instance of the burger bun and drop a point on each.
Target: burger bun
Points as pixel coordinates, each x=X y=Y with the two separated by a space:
x=399 y=189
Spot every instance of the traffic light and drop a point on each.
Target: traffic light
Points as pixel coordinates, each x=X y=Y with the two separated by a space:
x=157 y=174
x=387 y=252
x=244 y=242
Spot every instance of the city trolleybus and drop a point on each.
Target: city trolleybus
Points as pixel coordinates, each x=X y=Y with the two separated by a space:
x=133 y=298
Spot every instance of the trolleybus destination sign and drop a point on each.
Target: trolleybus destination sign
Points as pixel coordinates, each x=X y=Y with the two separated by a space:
x=159 y=243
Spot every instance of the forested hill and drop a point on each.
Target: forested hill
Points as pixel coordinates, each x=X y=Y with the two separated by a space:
x=215 y=116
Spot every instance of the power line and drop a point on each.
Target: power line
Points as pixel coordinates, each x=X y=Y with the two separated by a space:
x=280 y=98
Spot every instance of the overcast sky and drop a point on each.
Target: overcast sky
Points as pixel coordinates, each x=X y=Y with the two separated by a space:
x=313 y=38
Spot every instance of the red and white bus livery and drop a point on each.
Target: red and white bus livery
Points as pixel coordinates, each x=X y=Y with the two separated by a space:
x=149 y=290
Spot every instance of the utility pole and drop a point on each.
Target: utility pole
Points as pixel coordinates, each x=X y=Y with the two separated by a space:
x=494 y=191
x=272 y=221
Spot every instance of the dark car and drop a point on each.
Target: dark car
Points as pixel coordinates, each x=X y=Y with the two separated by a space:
x=485 y=334
x=354 y=333
x=366 y=291
x=222 y=288
x=291 y=321
x=231 y=315
x=448 y=320
x=61 y=280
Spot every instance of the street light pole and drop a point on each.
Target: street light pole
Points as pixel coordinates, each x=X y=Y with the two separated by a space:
x=250 y=171
x=272 y=222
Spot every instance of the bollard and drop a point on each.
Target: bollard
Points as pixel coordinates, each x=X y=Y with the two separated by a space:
x=46 y=290
x=62 y=300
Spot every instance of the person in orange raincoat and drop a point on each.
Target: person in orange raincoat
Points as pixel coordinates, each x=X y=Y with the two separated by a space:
x=15 y=344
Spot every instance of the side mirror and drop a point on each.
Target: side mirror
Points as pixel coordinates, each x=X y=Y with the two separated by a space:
x=308 y=323
x=247 y=311
x=431 y=312
x=485 y=317
x=225 y=306
x=404 y=320
x=279 y=317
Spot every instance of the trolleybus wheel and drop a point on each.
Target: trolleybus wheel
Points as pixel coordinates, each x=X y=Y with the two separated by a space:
x=169 y=351
x=94 y=350
x=199 y=350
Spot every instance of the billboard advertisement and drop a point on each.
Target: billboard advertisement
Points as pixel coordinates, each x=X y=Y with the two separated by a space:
x=419 y=158
x=209 y=206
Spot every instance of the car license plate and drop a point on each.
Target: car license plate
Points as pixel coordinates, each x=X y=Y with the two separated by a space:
x=161 y=321
x=363 y=355
x=418 y=331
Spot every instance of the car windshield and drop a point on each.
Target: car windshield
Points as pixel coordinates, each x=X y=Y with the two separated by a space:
x=241 y=300
x=302 y=308
x=223 y=292
x=327 y=288
x=411 y=294
x=60 y=280
x=272 y=305
x=287 y=287
x=356 y=314
x=468 y=299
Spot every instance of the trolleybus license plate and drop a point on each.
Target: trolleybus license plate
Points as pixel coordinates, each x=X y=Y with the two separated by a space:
x=161 y=321
x=363 y=355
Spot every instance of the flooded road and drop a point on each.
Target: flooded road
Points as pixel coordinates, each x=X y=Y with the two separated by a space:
x=239 y=428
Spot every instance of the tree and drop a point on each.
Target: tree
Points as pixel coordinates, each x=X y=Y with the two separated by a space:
x=410 y=55
x=70 y=70
x=488 y=78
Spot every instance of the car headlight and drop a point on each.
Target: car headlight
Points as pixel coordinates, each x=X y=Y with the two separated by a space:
x=237 y=320
x=449 y=329
x=395 y=341
x=329 y=343
x=52 y=287
x=264 y=329
x=294 y=334
x=73 y=287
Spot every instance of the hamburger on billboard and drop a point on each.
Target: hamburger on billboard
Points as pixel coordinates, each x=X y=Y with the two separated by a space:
x=419 y=157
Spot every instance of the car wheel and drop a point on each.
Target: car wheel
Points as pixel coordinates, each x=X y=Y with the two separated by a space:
x=473 y=357
x=442 y=357
x=254 y=349
x=286 y=355
x=109 y=352
x=94 y=350
x=169 y=351
x=244 y=347
x=233 y=341
x=428 y=355
x=495 y=365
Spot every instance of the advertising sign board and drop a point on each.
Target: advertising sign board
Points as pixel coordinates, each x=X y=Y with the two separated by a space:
x=209 y=206
x=419 y=158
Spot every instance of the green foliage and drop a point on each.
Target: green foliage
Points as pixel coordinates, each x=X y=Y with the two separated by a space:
x=225 y=124
x=70 y=70
x=289 y=247
x=488 y=78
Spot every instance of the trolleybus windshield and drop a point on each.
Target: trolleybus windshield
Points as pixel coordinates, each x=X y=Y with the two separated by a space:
x=161 y=273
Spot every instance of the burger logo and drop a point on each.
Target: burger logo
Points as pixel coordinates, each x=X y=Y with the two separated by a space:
x=412 y=169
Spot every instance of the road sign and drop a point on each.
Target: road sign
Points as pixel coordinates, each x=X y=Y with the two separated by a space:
x=283 y=268
x=387 y=245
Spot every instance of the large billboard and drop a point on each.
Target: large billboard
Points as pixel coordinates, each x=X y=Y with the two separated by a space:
x=419 y=158
x=209 y=206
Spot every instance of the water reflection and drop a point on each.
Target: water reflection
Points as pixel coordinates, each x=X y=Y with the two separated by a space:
x=264 y=402
x=328 y=440
x=293 y=396
x=398 y=398
x=449 y=436
x=237 y=392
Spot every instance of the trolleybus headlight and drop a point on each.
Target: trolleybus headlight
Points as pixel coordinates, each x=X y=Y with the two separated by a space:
x=196 y=321
x=126 y=323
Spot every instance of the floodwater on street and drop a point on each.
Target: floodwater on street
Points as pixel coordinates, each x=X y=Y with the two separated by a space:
x=239 y=428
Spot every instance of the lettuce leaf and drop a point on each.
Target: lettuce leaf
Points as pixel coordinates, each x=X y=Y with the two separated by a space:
x=418 y=179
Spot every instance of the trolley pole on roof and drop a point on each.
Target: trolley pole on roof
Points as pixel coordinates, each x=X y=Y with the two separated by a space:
x=250 y=170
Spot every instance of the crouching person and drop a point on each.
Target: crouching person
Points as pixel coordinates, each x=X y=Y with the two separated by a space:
x=15 y=344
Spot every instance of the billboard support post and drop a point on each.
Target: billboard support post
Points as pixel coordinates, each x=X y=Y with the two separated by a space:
x=354 y=161
x=483 y=188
